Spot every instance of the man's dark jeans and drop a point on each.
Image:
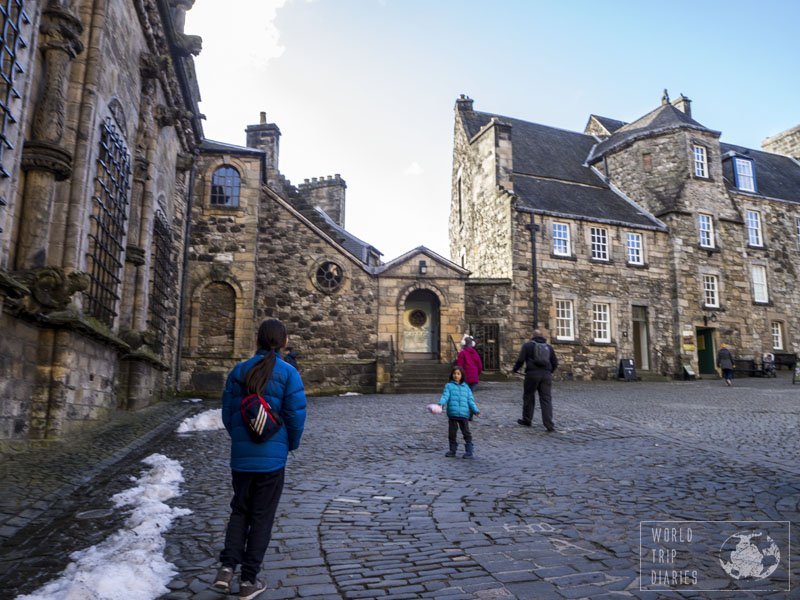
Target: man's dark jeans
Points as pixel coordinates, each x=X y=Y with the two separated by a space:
x=542 y=382
x=255 y=500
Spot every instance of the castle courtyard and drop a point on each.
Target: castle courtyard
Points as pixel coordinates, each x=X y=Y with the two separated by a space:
x=373 y=509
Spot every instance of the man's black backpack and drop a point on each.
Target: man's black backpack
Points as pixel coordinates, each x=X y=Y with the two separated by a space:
x=541 y=354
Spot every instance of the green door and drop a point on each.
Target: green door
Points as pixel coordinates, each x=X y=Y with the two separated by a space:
x=705 y=352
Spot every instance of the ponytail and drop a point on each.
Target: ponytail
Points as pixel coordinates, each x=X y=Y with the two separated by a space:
x=271 y=337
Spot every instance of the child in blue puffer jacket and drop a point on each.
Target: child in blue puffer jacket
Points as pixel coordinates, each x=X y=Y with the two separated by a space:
x=460 y=403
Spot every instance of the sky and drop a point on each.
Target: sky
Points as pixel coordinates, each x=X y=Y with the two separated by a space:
x=366 y=88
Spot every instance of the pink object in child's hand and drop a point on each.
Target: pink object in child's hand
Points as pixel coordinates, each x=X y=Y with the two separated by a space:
x=434 y=409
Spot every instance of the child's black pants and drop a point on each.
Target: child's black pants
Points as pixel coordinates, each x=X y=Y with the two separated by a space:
x=454 y=425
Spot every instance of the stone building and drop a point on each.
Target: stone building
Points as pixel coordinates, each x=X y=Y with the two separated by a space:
x=651 y=240
x=261 y=247
x=99 y=126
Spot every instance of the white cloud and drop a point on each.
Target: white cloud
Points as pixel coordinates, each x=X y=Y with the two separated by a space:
x=414 y=169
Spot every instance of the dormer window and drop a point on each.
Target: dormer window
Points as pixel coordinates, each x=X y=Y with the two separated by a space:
x=700 y=161
x=744 y=174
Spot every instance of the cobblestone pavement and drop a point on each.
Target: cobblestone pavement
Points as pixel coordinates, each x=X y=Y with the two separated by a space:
x=372 y=508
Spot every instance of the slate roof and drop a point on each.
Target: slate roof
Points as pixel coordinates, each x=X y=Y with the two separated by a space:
x=347 y=240
x=776 y=176
x=663 y=118
x=611 y=125
x=212 y=146
x=550 y=173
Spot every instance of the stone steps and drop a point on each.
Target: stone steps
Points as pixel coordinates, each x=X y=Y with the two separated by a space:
x=422 y=377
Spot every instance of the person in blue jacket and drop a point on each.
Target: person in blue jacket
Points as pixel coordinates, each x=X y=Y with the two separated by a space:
x=460 y=403
x=257 y=469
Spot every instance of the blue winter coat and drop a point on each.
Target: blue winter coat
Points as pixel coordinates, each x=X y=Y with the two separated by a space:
x=285 y=395
x=459 y=400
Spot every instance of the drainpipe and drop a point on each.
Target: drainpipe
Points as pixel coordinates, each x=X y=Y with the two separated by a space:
x=533 y=228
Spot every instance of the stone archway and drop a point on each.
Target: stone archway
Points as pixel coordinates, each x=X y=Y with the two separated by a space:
x=421 y=323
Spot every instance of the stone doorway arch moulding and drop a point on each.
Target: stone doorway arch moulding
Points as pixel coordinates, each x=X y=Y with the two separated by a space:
x=420 y=286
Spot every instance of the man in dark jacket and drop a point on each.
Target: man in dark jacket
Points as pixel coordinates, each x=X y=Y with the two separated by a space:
x=538 y=377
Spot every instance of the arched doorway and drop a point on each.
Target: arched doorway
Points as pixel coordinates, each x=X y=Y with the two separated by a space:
x=421 y=326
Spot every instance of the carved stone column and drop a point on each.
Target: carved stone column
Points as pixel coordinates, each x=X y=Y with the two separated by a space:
x=43 y=156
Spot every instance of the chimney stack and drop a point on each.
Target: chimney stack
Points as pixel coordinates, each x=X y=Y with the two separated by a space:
x=266 y=136
x=683 y=104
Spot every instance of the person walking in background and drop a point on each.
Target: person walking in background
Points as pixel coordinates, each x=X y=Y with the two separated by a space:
x=725 y=362
x=290 y=356
x=460 y=404
x=470 y=361
x=540 y=362
x=257 y=468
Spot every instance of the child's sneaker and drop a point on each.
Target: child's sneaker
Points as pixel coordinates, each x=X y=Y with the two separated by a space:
x=248 y=590
x=222 y=582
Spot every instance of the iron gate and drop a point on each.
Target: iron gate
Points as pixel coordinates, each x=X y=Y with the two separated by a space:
x=487 y=343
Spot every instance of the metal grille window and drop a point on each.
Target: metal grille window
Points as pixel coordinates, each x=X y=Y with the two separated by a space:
x=760 y=284
x=599 y=243
x=565 y=329
x=745 y=179
x=634 y=245
x=487 y=344
x=777 y=335
x=225 y=185
x=706 y=227
x=161 y=282
x=561 y=239
x=601 y=322
x=13 y=17
x=710 y=290
x=754 y=237
x=329 y=276
x=107 y=225
x=700 y=161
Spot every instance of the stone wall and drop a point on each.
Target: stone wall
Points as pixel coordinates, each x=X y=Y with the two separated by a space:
x=786 y=143
x=328 y=193
x=489 y=302
x=19 y=361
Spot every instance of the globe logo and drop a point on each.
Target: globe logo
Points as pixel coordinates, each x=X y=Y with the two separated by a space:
x=749 y=555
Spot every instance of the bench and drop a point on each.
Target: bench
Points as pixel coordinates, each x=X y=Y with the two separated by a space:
x=748 y=366
x=789 y=359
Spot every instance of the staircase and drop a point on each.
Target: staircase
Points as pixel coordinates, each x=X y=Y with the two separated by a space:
x=422 y=377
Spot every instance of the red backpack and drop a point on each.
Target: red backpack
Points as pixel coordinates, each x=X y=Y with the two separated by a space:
x=261 y=422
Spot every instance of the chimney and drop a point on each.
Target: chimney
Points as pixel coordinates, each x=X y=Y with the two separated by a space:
x=464 y=103
x=266 y=136
x=327 y=193
x=683 y=104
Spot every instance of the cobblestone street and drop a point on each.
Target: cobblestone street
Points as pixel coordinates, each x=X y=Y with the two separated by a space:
x=373 y=509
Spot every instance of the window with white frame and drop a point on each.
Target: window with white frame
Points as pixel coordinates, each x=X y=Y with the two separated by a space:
x=599 y=239
x=753 y=221
x=760 y=293
x=700 y=161
x=710 y=290
x=565 y=326
x=743 y=173
x=561 y=246
x=601 y=322
x=634 y=246
x=777 y=335
x=705 y=225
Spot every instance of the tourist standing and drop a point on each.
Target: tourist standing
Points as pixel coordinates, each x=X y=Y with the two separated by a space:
x=457 y=398
x=540 y=362
x=257 y=468
x=470 y=361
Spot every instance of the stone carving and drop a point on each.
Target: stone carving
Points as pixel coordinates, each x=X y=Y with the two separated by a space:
x=136 y=339
x=51 y=289
x=184 y=161
x=47 y=156
x=116 y=110
x=150 y=65
x=134 y=255
x=188 y=44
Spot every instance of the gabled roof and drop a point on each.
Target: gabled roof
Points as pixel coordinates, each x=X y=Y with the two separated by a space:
x=664 y=118
x=610 y=125
x=776 y=176
x=427 y=252
x=223 y=148
x=550 y=174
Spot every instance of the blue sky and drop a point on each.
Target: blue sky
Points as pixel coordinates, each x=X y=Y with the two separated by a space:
x=366 y=88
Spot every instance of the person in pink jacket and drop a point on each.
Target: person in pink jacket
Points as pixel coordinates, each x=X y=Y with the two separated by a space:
x=470 y=361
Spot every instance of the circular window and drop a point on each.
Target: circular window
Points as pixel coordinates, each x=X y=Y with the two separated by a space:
x=329 y=276
x=417 y=318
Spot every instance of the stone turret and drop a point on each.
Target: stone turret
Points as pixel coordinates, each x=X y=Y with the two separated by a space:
x=266 y=136
x=786 y=143
x=328 y=193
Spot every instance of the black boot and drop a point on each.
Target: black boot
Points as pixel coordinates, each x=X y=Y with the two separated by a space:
x=468 y=450
x=453 y=448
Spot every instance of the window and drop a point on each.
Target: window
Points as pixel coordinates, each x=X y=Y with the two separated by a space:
x=743 y=174
x=647 y=162
x=12 y=18
x=561 y=245
x=329 y=276
x=163 y=277
x=601 y=329
x=599 y=243
x=706 y=226
x=634 y=245
x=225 y=184
x=700 y=161
x=710 y=291
x=760 y=283
x=753 y=221
x=107 y=225
x=777 y=335
x=565 y=329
